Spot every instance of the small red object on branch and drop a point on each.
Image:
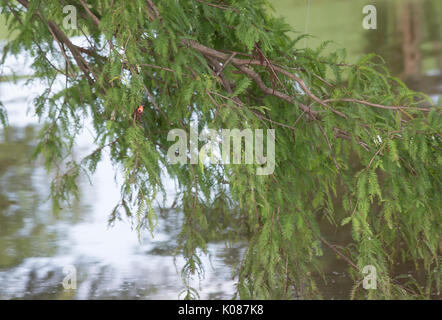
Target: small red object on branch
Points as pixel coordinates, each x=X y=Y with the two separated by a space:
x=137 y=114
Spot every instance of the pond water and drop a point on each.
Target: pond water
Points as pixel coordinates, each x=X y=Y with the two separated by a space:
x=36 y=244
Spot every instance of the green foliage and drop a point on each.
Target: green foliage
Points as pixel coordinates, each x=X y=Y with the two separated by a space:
x=353 y=143
x=3 y=115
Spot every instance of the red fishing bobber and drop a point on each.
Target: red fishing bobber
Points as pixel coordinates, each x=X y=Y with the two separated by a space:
x=137 y=114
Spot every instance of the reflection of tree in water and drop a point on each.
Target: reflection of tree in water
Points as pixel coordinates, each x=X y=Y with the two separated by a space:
x=24 y=212
x=380 y=39
x=433 y=24
x=408 y=32
x=21 y=228
x=32 y=240
x=409 y=26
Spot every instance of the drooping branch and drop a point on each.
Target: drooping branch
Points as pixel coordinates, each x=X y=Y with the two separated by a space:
x=376 y=105
x=61 y=37
x=241 y=65
x=90 y=13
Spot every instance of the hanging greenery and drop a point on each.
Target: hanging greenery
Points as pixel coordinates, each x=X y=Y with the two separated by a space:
x=353 y=145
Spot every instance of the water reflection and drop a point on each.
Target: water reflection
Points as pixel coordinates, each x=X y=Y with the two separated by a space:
x=21 y=232
x=409 y=38
x=36 y=244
